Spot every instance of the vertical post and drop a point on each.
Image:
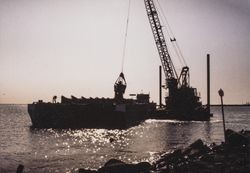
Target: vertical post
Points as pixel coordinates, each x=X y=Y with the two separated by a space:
x=160 y=87
x=221 y=93
x=208 y=83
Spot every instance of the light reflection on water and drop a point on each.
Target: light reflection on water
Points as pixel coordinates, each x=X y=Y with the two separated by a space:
x=67 y=150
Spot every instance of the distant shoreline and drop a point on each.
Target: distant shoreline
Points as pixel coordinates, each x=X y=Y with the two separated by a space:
x=215 y=105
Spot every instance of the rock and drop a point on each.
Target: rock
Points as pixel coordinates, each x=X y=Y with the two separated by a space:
x=201 y=165
x=245 y=133
x=20 y=169
x=170 y=158
x=197 y=144
x=236 y=139
x=175 y=157
x=209 y=157
x=86 y=171
x=175 y=154
x=113 y=162
x=196 y=148
x=144 y=167
x=232 y=156
x=245 y=169
x=117 y=166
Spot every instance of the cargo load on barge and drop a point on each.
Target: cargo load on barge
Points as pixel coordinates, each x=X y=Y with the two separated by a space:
x=109 y=113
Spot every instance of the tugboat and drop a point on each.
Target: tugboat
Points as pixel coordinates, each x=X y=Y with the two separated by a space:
x=108 y=113
x=182 y=101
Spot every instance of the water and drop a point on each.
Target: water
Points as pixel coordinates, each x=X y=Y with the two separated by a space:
x=65 y=151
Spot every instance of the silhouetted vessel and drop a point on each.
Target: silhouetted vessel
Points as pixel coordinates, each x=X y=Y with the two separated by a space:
x=182 y=102
x=110 y=113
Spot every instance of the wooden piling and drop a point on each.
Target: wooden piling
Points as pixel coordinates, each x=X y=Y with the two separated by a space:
x=208 y=83
x=160 y=87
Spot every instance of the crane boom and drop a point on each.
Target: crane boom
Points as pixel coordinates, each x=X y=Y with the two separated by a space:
x=156 y=27
x=182 y=101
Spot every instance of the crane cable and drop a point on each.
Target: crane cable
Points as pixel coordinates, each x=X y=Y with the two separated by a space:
x=171 y=35
x=125 y=38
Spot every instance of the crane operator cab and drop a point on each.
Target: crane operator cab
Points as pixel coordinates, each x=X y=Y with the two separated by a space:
x=120 y=87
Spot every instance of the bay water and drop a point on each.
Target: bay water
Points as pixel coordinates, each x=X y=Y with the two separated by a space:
x=65 y=151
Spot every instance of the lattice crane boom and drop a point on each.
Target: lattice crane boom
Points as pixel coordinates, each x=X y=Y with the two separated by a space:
x=182 y=101
x=156 y=27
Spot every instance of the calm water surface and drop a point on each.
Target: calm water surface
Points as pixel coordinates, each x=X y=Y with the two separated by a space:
x=65 y=151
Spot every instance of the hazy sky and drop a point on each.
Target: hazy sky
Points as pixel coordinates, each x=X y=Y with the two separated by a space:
x=74 y=47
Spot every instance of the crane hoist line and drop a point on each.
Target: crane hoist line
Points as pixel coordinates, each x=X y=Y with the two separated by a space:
x=125 y=36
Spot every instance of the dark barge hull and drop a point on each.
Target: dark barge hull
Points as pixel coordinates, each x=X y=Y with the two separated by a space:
x=109 y=116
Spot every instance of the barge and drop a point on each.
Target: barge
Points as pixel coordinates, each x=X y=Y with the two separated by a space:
x=109 y=113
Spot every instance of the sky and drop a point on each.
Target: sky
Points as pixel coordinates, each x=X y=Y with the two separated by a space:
x=62 y=47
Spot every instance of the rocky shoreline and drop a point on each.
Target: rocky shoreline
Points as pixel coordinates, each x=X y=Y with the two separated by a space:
x=231 y=156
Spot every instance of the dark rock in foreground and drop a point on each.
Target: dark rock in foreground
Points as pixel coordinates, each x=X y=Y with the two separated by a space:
x=232 y=156
x=117 y=166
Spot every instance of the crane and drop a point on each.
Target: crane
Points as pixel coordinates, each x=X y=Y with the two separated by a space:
x=182 y=100
x=171 y=75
